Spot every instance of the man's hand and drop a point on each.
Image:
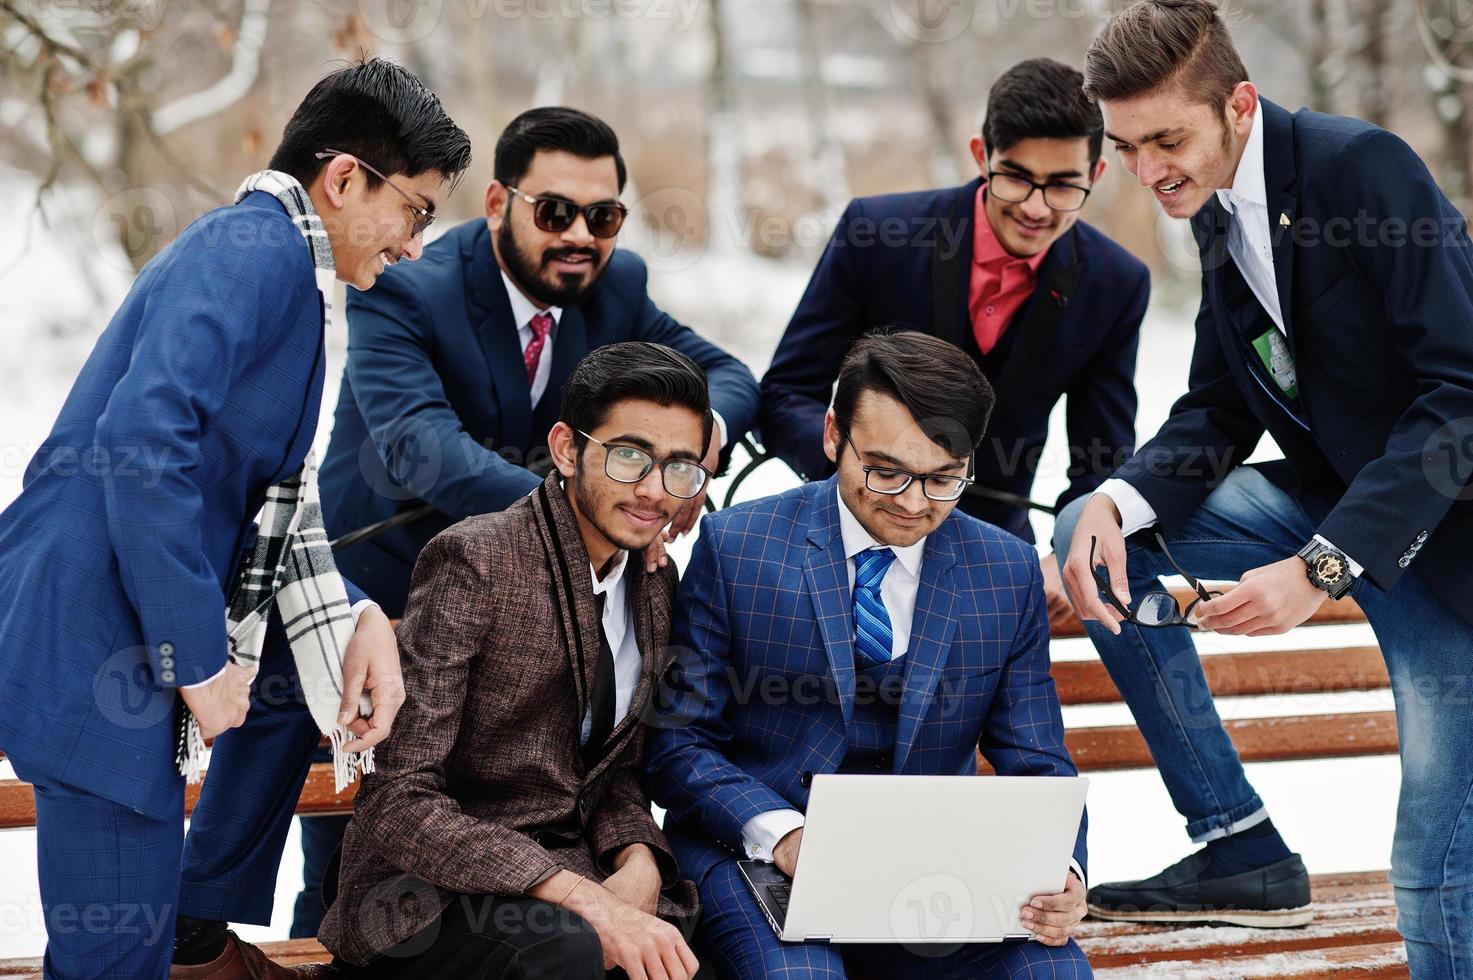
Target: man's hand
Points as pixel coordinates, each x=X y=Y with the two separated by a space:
x=636 y=878
x=224 y=702
x=785 y=854
x=1268 y=600
x=1051 y=918
x=1101 y=520
x=645 y=947
x=371 y=663
x=689 y=512
x=1053 y=588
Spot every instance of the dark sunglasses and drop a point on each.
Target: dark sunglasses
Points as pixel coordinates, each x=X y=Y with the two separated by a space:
x=1158 y=607
x=556 y=215
x=423 y=217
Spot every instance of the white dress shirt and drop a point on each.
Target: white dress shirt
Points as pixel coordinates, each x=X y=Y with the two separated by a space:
x=618 y=627
x=523 y=310
x=1250 y=243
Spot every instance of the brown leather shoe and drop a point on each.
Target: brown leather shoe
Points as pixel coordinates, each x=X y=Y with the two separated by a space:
x=242 y=961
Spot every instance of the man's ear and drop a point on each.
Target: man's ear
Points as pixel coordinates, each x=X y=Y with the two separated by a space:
x=337 y=178
x=978 y=146
x=562 y=442
x=832 y=439
x=496 y=197
x=1242 y=104
x=1099 y=171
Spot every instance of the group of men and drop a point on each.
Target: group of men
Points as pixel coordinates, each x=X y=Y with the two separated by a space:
x=527 y=431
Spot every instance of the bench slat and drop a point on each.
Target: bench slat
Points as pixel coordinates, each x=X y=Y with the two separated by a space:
x=1375 y=961
x=1328 y=671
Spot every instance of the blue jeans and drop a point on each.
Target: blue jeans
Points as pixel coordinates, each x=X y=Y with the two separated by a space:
x=1248 y=522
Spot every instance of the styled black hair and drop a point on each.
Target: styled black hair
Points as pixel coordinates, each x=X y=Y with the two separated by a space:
x=380 y=112
x=937 y=382
x=1041 y=99
x=634 y=370
x=554 y=128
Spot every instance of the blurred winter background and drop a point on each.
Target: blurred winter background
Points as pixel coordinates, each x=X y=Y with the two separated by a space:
x=746 y=127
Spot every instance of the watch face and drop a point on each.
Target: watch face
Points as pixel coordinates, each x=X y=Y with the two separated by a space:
x=1329 y=568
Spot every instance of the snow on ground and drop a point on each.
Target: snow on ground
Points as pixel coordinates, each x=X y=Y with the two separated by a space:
x=1339 y=813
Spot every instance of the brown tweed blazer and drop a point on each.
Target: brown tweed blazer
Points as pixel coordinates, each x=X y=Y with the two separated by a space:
x=499 y=645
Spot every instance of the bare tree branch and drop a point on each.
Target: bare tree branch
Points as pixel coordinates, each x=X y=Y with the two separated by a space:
x=244 y=68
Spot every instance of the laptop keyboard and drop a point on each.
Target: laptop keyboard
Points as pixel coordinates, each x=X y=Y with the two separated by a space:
x=780 y=895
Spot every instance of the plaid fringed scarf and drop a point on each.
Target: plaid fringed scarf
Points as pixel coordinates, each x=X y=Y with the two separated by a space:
x=292 y=565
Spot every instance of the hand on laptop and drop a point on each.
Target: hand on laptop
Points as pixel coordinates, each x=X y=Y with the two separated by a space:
x=1051 y=918
x=785 y=854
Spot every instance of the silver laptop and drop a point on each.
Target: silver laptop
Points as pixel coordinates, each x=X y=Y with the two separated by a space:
x=922 y=859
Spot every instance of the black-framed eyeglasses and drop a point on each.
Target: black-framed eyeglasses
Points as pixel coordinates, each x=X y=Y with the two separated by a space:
x=556 y=214
x=1155 y=608
x=423 y=217
x=1015 y=189
x=892 y=482
x=683 y=478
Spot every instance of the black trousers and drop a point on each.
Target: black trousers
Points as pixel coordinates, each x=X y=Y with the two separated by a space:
x=494 y=937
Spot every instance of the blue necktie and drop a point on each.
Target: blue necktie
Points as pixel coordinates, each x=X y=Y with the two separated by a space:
x=873 y=635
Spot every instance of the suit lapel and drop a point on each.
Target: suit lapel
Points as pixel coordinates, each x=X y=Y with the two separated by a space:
x=572 y=587
x=951 y=269
x=1280 y=181
x=931 y=637
x=1038 y=322
x=827 y=577
x=496 y=332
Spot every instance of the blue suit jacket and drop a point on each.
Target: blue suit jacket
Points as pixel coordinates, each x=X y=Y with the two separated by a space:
x=907 y=258
x=1375 y=280
x=115 y=560
x=435 y=406
x=761 y=691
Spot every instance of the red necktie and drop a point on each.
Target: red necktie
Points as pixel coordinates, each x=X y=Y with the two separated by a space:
x=541 y=324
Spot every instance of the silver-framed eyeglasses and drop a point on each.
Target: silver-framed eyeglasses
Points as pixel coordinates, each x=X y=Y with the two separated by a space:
x=423 y=217
x=683 y=478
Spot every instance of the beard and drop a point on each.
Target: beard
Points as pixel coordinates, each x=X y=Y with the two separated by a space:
x=590 y=504
x=529 y=273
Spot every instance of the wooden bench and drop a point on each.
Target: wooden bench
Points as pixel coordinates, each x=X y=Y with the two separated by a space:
x=1354 y=934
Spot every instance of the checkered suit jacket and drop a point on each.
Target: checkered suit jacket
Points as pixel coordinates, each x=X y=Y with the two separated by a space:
x=116 y=559
x=761 y=692
x=499 y=646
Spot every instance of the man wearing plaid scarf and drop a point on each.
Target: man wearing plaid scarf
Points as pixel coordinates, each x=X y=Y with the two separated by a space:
x=140 y=588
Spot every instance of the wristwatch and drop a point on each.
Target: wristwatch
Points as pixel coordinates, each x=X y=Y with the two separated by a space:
x=1328 y=568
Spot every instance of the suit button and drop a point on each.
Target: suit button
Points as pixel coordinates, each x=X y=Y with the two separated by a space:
x=167 y=677
x=1421 y=536
x=806 y=779
x=166 y=649
x=166 y=662
x=1405 y=560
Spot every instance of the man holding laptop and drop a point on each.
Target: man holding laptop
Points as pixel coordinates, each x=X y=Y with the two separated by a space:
x=859 y=626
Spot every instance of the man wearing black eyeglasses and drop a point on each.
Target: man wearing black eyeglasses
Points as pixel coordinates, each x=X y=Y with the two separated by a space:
x=455 y=363
x=1002 y=267
x=859 y=624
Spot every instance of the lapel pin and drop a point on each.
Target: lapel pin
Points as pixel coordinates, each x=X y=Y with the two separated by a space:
x=1283 y=219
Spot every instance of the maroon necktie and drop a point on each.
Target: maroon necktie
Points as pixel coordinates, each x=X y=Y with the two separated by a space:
x=541 y=324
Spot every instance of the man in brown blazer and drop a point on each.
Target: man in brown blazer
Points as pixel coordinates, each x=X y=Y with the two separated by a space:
x=506 y=832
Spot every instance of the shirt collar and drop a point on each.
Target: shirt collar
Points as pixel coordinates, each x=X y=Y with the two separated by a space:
x=857 y=539
x=616 y=574
x=522 y=308
x=987 y=247
x=1249 y=184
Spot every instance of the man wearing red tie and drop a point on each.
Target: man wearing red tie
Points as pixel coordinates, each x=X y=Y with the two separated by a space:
x=1003 y=268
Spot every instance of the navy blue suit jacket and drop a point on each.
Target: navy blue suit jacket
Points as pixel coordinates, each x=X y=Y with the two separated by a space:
x=136 y=511
x=435 y=406
x=1375 y=278
x=760 y=695
x=907 y=258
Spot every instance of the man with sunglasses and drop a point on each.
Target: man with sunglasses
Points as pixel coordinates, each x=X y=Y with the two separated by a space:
x=859 y=624
x=505 y=833
x=1002 y=267
x=455 y=363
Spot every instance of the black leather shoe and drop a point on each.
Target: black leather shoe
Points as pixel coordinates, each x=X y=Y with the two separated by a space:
x=1272 y=897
